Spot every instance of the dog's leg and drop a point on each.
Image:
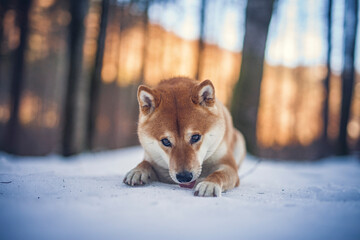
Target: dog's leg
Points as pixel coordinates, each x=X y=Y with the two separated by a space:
x=223 y=179
x=140 y=175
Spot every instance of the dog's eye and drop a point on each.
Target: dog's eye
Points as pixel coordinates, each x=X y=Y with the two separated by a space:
x=166 y=142
x=195 y=138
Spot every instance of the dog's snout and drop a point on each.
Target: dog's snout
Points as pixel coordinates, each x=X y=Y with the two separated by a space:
x=184 y=176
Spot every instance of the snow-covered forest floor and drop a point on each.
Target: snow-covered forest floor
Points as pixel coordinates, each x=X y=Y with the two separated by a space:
x=83 y=197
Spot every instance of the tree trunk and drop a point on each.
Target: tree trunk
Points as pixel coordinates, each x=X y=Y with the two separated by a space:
x=76 y=95
x=327 y=80
x=96 y=77
x=246 y=95
x=3 y=9
x=22 y=9
x=348 y=73
x=201 y=39
x=145 y=39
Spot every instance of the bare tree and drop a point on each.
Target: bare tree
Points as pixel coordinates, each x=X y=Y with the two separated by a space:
x=74 y=132
x=328 y=75
x=247 y=90
x=96 y=76
x=145 y=38
x=22 y=9
x=348 y=73
x=201 y=38
x=3 y=9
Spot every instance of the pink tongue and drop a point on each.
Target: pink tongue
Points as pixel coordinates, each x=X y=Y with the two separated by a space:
x=187 y=185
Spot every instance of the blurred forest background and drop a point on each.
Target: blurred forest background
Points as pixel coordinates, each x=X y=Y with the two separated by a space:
x=287 y=69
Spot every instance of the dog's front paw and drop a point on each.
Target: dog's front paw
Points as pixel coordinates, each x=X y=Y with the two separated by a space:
x=208 y=189
x=137 y=177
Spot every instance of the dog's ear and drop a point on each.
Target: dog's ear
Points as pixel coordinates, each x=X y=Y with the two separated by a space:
x=204 y=94
x=149 y=99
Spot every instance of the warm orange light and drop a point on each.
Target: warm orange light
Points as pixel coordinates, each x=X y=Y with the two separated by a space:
x=291 y=106
x=45 y=3
x=50 y=119
x=108 y=73
x=29 y=108
x=4 y=113
x=11 y=31
x=353 y=129
x=334 y=107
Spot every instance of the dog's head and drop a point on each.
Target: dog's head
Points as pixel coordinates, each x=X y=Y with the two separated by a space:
x=180 y=125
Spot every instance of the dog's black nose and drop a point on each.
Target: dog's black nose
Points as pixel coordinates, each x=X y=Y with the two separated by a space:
x=184 y=176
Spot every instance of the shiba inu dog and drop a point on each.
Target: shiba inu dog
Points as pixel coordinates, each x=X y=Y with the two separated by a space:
x=188 y=138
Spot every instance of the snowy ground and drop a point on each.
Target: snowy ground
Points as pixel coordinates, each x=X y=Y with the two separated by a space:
x=84 y=198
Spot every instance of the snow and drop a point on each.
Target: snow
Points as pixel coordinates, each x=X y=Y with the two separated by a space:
x=83 y=197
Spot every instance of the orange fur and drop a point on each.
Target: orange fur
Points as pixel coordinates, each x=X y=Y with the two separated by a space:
x=176 y=110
